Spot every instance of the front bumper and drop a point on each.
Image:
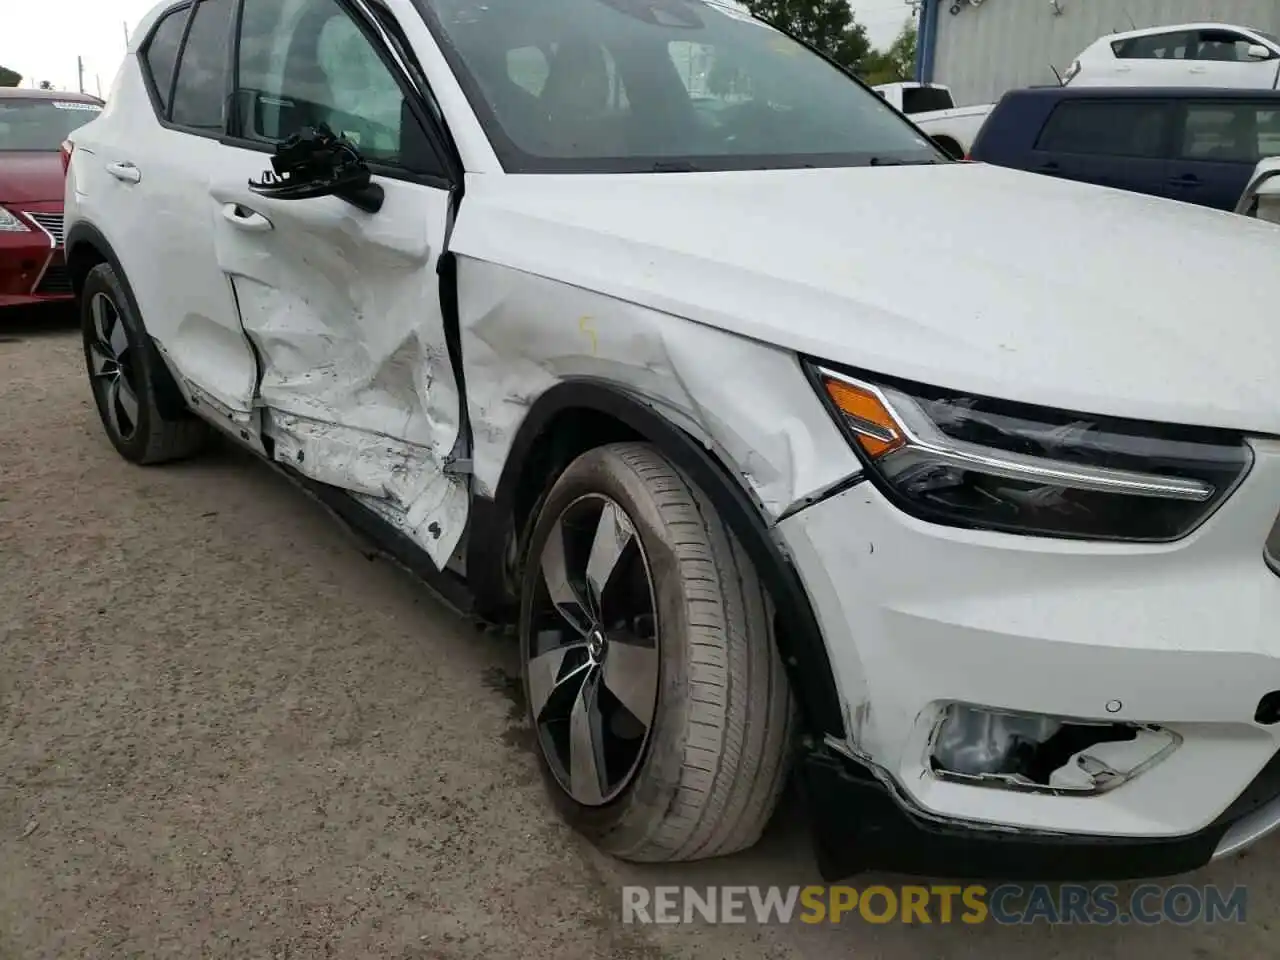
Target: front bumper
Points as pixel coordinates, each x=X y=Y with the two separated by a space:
x=1181 y=635
x=861 y=824
x=32 y=266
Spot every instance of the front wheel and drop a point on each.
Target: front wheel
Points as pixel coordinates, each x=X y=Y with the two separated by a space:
x=662 y=713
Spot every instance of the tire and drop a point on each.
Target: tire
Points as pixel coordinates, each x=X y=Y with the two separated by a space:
x=705 y=778
x=124 y=369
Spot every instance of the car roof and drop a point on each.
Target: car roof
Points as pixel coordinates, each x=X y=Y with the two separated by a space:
x=1173 y=28
x=20 y=93
x=1141 y=93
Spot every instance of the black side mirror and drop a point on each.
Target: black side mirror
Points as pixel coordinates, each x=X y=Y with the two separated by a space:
x=316 y=163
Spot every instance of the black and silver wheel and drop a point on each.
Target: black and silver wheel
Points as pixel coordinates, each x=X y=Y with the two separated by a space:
x=661 y=711
x=123 y=366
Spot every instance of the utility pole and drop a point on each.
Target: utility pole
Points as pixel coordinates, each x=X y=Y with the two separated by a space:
x=80 y=71
x=97 y=78
x=126 y=35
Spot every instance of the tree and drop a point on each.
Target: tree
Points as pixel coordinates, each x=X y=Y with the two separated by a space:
x=826 y=25
x=9 y=78
x=46 y=85
x=902 y=53
x=895 y=64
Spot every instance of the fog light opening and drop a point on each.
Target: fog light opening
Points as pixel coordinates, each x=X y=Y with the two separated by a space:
x=1040 y=753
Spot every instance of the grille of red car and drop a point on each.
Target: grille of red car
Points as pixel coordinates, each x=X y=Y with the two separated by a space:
x=56 y=281
x=51 y=223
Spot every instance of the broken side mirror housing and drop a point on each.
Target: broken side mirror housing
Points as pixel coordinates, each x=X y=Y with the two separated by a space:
x=317 y=163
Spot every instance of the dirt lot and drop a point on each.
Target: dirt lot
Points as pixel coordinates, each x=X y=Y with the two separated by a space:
x=224 y=731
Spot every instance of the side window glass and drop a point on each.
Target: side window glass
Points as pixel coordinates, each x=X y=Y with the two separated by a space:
x=200 y=94
x=1160 y=46
x=1107 y=128
x=161 y=54
x=304 y=63
x=1223 y=46
x=1230 y=132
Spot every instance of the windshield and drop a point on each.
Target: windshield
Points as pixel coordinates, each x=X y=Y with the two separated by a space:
x=600 y=86
x=41 y=124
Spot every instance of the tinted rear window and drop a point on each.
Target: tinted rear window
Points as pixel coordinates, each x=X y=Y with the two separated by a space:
x=1231 y=132
x=41 y=124
x=162 y=53
x=924 y=99
x=1115 y=128
x=1160 y=46
x=200 y=95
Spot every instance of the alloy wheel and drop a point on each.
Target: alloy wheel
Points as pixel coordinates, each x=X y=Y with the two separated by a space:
x=110 y=367
x=592 y=653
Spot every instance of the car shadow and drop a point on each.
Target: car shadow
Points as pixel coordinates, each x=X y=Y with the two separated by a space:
x=27 y=323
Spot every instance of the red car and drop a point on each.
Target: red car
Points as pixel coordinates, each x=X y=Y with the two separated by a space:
x=33 y=126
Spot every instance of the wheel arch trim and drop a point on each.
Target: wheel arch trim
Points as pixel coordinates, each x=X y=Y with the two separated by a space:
x=799 y=638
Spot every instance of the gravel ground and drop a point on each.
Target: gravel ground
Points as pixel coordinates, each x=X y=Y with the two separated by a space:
x=224 y=731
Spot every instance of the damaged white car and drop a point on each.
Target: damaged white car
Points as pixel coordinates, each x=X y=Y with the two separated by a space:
x=787 y=443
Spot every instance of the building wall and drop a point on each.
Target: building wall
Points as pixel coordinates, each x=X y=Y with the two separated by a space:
x=983 y=51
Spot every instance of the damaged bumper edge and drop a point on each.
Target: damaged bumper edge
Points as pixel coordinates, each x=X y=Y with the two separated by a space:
x=859 y=823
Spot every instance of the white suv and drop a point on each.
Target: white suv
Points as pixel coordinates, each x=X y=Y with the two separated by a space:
x=1181 y=55
x=786 y=443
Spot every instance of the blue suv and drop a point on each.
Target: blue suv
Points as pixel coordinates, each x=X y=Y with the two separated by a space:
x=1198 y=145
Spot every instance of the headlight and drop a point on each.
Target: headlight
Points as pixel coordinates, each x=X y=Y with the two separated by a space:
x=953 y=458
x=11 y=224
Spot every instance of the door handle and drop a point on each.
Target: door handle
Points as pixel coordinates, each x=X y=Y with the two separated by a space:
x=1199 y=69
x=125 y=172
x=242 y=217
x=1186 y=180
x=1050 y=167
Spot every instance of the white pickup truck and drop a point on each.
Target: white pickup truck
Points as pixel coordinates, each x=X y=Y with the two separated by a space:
x=932 y=109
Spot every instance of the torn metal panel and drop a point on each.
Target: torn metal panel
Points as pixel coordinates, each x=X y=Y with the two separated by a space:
x=749 y=402
x=400 y=482
x=343 y=311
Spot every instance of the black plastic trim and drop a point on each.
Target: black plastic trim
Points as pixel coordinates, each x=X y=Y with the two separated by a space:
x=800 y=641
x=859 y=825
x=169 y=399
x=449 y=587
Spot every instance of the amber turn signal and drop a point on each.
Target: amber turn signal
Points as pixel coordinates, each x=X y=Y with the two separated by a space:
x=873 y=424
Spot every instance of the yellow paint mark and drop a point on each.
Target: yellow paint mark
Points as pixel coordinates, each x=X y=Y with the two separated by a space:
x=586 y=325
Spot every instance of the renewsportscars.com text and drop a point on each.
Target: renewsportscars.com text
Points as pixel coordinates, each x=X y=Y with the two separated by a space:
x=1008 y=904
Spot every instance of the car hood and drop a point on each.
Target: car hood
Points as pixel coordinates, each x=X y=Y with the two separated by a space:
x=30 y=177
x=968 y=276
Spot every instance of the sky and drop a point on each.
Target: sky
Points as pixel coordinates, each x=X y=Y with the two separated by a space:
x=42 y=38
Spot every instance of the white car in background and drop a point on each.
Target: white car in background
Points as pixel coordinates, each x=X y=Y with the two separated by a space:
x=1261 y=199
x=931 y=108
x=1180 y=55
x=620 y=325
